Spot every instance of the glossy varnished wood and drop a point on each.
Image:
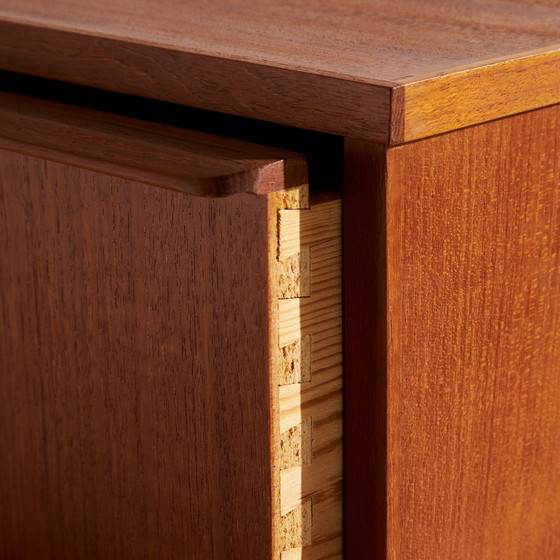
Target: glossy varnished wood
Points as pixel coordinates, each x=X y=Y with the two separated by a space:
x=134 y=351
x=375 y=70
x=473 y=345
x=166 y=156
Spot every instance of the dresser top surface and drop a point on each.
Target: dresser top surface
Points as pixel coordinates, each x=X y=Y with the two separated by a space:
x=383 y=45
x=382 y=41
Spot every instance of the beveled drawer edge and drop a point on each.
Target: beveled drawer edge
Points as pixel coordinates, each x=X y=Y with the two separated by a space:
x=171 y=157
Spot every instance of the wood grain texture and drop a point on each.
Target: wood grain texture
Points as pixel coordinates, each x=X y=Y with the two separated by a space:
x=474 y=342
x=473 y=345
x=307 y=363
x=473 y=95
x=246 y=89
x=134 y=358
x=158 y=400
x=320 y=64
x=166 y=156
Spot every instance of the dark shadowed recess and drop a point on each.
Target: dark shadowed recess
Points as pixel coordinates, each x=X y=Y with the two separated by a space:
x=323 y=151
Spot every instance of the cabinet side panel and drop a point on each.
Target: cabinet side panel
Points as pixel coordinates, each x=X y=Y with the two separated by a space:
x=365 y=350
x=134 y=355
x=474 y=342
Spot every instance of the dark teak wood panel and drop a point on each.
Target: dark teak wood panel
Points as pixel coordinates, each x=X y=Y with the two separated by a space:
x=472 y=387
x=382 y=70
x=134 y=352
x=243 y=88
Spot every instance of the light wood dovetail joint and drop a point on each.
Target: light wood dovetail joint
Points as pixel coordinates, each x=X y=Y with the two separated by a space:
x=306 y=330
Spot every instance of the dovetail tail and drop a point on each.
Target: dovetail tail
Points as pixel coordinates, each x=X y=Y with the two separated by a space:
x=296 y=445
x=296 y=529
x=308 y=381
x=296 y=362
x=293 y=276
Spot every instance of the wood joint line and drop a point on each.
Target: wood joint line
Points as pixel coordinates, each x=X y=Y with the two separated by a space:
x=309 y=380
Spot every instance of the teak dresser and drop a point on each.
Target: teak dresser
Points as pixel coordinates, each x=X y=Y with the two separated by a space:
x=279 y=280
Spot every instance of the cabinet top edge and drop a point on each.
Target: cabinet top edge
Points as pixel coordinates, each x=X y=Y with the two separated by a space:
x=380 y=70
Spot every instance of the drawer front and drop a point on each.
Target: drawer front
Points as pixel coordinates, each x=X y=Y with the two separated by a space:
x=171 y=360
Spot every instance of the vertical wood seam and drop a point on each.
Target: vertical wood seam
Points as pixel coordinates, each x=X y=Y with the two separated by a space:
x=308 y=268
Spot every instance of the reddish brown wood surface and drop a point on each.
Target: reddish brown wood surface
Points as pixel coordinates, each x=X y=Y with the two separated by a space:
x=365 y=437
x=473 y=95
x=473 y=345
x=167 y=156
x=134 y=359
x=379 y=70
